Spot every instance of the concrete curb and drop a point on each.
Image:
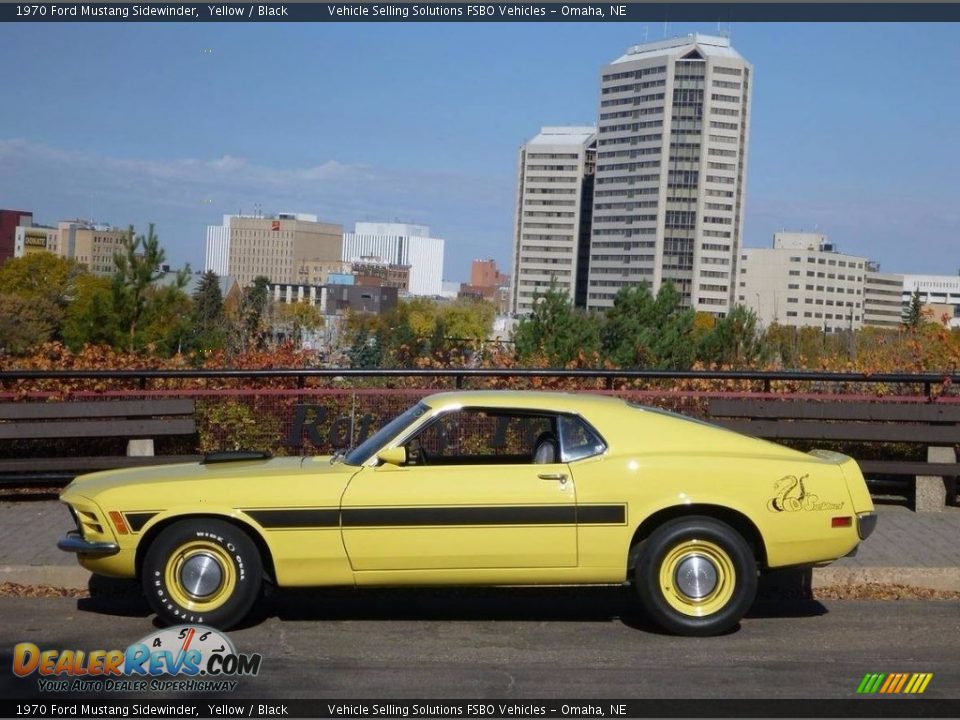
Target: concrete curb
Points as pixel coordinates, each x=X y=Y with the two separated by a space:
x=62 y=576
x=929 y=578
x=935 y=578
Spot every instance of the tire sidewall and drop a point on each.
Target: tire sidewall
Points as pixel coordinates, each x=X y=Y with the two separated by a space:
x=246 y=566
x=666 y=537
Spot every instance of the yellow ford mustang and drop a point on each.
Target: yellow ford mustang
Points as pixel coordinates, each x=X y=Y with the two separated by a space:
x=482 y=488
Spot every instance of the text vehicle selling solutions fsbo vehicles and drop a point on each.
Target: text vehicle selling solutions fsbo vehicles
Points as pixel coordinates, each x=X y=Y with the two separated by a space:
x=482 y=488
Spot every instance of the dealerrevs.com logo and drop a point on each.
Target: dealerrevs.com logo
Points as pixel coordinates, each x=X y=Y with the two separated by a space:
x=186 y=658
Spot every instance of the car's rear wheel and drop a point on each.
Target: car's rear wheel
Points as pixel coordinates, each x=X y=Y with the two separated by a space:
x=696 y=576
x=202 y=570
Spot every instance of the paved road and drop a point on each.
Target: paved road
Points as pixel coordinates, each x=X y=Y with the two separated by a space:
x=528 y=643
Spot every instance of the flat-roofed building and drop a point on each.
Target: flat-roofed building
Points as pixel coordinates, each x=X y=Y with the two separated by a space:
x=36 y=238
x=92 y=245
x=400 y=244
x=882 y=298
x=275 y=246
x=10 y=220
x=552 y=215
x=941 y=292
x=803 y=281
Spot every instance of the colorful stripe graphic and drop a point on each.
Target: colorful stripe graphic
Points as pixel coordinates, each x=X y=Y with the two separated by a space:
x=894 y=684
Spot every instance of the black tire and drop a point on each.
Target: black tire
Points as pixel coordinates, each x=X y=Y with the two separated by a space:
x=678 y=558
x=202 y=570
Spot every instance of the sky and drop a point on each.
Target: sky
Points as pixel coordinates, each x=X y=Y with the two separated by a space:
x=854 y=126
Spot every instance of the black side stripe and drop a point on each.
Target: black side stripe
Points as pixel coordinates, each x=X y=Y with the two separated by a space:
x=602 y=514
x=443 y=516
x=323 y=517
x=137 y=520
x=502 y=515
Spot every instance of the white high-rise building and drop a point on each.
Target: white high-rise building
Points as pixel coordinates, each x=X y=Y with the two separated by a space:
x=400 y=244
x=552 y=216
x=671 y=171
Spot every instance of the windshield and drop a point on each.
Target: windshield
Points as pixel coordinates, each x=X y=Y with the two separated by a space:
x=365 y=450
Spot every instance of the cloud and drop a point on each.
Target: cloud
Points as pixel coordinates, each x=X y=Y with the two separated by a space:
x=184 y=194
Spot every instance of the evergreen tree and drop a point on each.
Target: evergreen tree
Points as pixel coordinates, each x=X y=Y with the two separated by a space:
x=138 y=267
x=643 y=331
x=556 y=331
x=913 y=317
x=208 y=314
x=735 y=340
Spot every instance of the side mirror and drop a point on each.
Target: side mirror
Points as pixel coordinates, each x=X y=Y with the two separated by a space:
x=393 y=456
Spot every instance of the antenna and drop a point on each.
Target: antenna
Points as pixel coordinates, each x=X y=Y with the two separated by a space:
x=645 y=31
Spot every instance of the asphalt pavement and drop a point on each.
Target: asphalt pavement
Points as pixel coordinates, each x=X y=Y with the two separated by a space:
x=527 y=643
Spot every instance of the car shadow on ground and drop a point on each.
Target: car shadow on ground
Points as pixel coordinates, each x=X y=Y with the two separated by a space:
x=781 y=594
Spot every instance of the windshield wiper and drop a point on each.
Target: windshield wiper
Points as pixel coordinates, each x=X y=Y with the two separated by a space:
x=338 y=455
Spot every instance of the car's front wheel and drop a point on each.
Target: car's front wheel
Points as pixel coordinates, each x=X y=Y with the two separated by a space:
x=696 y=576
x=202 y=570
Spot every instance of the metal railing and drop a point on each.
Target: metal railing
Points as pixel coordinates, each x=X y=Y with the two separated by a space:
x=460 y=375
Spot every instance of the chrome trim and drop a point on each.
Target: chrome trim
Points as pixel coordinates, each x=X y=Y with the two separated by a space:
x=866 y=524
x=74 y=542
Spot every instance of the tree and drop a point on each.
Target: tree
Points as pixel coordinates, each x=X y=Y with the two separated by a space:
x=253 y=314
x=90 y=319
x=138 y=267
x=556 y=331
x=298 y=319
x=41 y=275
x=366 y=348
x=24 y=323
x=643 y=331
x=44 y=282
x=913 y=317
x=735 y=340
x=165 y=323
x=208 y=317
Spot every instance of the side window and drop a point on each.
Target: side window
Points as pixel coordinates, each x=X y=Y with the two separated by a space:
x=479 y=437
x=578 y=440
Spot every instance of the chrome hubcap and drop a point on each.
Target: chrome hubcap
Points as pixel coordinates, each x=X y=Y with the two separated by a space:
x=201 y=575
x=696 y=577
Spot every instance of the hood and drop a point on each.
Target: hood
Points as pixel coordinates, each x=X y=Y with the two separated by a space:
x=261 y=471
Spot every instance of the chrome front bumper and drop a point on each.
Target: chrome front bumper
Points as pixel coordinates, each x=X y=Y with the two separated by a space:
x=74 y=542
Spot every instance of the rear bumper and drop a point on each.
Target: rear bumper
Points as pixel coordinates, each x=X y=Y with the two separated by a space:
x=866 y=524
x=74 y=542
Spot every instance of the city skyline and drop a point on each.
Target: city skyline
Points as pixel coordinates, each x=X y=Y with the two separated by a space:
x=180 y=125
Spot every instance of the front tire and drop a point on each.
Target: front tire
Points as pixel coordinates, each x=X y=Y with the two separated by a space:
x=696 y=576
x=202 y=570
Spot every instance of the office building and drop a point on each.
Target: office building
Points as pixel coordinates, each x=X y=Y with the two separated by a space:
x=10 y=220
x=32 y=239
x=374 y=272
x=882 y=298
x=940 y=294
x=274 y=246
x=671 y=169
x=552 y=215
x=91 y=245
x=803 y=281
x=400 y=244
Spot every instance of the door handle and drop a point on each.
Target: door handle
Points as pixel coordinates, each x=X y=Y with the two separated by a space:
x=553 y=476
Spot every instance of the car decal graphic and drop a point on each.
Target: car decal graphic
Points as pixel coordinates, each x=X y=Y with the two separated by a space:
x=792 y=496
x=468 y=515
x=136 y=520
x=315 y=517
